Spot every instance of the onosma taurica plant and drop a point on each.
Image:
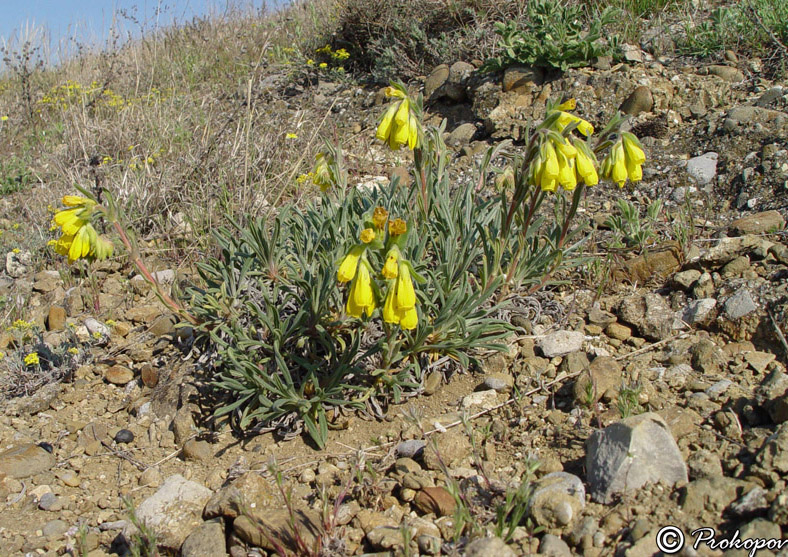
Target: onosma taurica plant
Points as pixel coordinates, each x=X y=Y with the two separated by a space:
x=351 y=302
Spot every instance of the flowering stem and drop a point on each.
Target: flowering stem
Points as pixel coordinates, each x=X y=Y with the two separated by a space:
x=143 y=269
x=418 y=160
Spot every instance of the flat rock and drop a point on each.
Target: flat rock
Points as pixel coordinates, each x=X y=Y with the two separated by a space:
x=759 y=361
x=553 y=546
x=698 y=311
x=487 y=547
x=739 y=304
x=604 y=375
x=207 y=540
x=649 y=313
x=758 y=223
x=173 y=511
x=264 y=525
x=522 y=79
x=249 y=491
x=561 y=343
x=25 y=461
x=640 y=100
x=481 y=400
x=712 y=494
x=628 y=454
x=435 y=500
x=118 y=374
x=703 y=168
x=656 y=265
x=726 y=73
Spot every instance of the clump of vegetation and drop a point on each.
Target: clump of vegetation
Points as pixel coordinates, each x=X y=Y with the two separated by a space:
x=555 y=35
x=428 y=268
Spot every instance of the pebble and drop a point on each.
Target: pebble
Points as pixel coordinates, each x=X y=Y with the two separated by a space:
x=124 y=436
x=561 y=343
x=481 y=399
x=151 y=477
x=739 y=304
x=68 y=478
x=118 y=375
x=410 y=449
x=48 y=501
x=197 y=450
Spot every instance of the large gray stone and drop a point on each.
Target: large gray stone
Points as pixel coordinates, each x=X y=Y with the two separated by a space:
x=650 y=313
x=561 y=343
x=173 y=511
x=628 y=454
x=703 y=168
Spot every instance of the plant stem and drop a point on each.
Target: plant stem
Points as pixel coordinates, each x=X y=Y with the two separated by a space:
x=134 y=255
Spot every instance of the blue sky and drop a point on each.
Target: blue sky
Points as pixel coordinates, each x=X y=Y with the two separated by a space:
x=88 y=22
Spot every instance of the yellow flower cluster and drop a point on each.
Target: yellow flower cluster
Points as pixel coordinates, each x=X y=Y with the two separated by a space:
x=79 y=239
x=625 y=160
x=399 y=126
x=563 y=161
x=73 y=92
x=400 y=303
x=32 y=359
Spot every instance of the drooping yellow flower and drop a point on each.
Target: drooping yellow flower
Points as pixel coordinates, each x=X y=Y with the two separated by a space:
x=547 y=173
x=585 y=164
x=409 y=319
x=77 y=201
x=583 y=126
x=379 y=217
x=398 y=126
x=406 y=295
x=321 y=175
x=566 y=172
x=347 y=269
x=614 y=167
x=367 y=235
x=390 y=314
x=391 y=266
x=635 y=157
x=361 y=299
x=32 y=359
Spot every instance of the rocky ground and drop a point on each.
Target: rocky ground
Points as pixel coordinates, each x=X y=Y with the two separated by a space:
x=683 y=340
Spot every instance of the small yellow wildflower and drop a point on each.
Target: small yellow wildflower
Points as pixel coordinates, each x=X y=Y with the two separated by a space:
x=367 y=235
x=310 y=62
x=323 y=65
x=397 y=227
x=585 y=163
x=2 y=355
x=3 y=118
x=32 y=359
x=16 y=250
x=341 y=54
x=73 y=350
x=16 y=226
x=379 y=217
x=110 y=323
x=291 y=135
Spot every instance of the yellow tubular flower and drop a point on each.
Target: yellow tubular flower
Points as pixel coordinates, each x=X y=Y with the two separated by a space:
x=384 y=128
x=71 y=220
x=379 y=217
x=321 y=176
x=400 y=132
x=635 y=157
x=367 y=235
x=347 y=269
x=391 y=267
x=77 y=201
x=583 y=126
x=361 y=299
x=409 y=319
x=548 y=175
x=102 y=249
x=566 y=173
x=406 y=295
x=569 y=104
x=584 y=166
x=82 y=243
x=390 y=314
x=618 y=171
x=394 y=92
x=413 y=133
